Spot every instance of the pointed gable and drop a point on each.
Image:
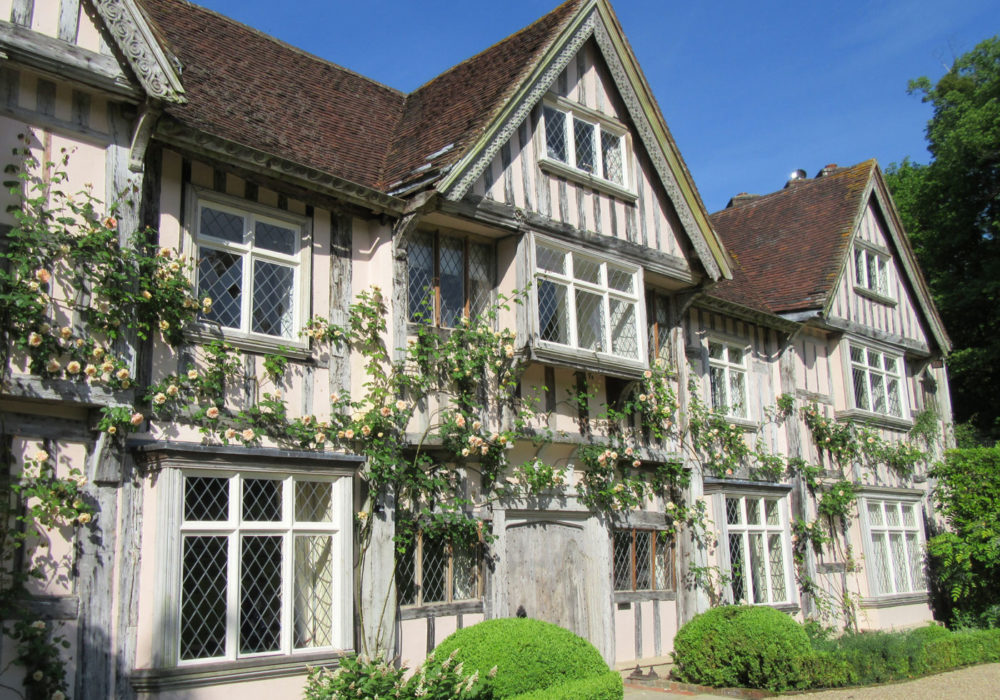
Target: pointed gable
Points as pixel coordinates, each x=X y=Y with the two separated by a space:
x=796 y=256
x=790 y=245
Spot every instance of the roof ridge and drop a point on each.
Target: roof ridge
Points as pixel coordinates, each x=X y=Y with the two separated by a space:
x=286 y=45
x=807 y=184
x=494 y=45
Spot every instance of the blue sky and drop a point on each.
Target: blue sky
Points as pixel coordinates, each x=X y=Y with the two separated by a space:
x=750 y=90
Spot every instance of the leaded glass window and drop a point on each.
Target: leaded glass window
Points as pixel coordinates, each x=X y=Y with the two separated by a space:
x=582 y=142
x=895 y=547
x=587 y=303
x=871 y=270
x=643 y=560
x=261 y=565
x=436 y=570
x=449 y=278
x=250 y=265
x=756 y=540
x=727 y=365
x=877 y=378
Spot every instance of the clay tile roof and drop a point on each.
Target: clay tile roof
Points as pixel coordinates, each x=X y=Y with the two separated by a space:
x=250 y=88
x=245 y=86
x=454 y=108
x=790 y=245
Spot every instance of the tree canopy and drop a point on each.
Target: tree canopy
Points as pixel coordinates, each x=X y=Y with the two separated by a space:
x=951 y=210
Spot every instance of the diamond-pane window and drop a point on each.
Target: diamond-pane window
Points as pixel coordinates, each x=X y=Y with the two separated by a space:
x=871 y=270
x=757 y=548
x=206 y=498
x=878 y=381
x=894 y=547
x=273 y=299
x=585 y=143
x=254 y=578
x=437 y=570
x=642 y=560
x=583 y=135
x=203 y=598
x=586 y=303
x=728 y=378
x=252 y=270
x=555 y=134
x=449 y=279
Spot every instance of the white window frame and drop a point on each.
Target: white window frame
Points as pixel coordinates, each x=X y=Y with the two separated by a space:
x=572 y=350
x=728 y=369
x=572 y=112
x=911 y=538
x=299 y=260
x=871 y=373
x=744 y=530
x=876 y=282
x=173 y=529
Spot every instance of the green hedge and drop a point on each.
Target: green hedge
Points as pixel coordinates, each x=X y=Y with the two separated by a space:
x=743 y=646
x=605 y=687
x=529 y=655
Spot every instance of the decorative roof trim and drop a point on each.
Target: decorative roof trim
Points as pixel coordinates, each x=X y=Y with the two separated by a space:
x=779 y=323
x=659 y=146
x=170 y=132
x=545 y=73
x=876 y=191
x=134 y=38
x=592 y=22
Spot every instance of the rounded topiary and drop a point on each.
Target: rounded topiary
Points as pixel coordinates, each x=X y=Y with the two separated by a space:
x=528 y=655
x=743 y=646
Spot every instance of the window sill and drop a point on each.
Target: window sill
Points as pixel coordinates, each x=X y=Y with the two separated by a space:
x=224 y=672
x=417 y=612
x=643 y=596
x=876 y=419
x=896 y=599
x=744 y=424
x=588 y=361
x=293 y=349
x=554 y=167
x=874 y=296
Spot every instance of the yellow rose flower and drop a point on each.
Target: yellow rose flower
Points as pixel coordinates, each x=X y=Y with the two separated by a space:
x=249 y=434
x=34 y=340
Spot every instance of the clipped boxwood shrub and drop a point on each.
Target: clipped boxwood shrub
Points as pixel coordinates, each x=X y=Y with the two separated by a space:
x=605 y=687
x=529 y=655
x=743 y=646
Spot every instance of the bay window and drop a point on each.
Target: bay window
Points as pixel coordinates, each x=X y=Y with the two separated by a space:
x=262 y=566
x=895 y=548
x=587 y=305
x=878 y=381
x=755 y=541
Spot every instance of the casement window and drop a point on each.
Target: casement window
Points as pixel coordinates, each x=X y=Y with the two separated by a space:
x=727 y=366
x=253 y=264
x=658 y=313
x=878 y=381
x=643 y=560
x=895 y=547
x=585 y=143
x=449 y=278
x=755 y=537
x=437 y=570
x=871 y=270
x=263 y=566
x=588 y=305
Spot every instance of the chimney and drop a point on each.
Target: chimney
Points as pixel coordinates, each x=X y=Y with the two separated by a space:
x=741 y=199
x=828 y=169
x=796 y=177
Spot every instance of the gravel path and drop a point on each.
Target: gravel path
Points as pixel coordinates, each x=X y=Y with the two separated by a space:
x=970 y=683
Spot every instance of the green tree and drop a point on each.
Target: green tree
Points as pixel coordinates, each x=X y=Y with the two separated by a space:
x=966 y=558
x=951 y=210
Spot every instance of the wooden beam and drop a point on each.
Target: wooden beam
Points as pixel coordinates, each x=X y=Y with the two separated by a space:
x=25 y=386
x=64 y=60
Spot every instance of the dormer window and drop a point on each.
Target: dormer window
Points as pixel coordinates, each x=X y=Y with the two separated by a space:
x=582 y=144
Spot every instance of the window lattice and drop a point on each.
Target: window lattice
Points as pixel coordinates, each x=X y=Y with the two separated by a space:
x=642 y=560
x=260 y=594
x=203 y=597
x=273 y=299
x=895 y=547
x=206 y=498
x=434 y=570
x=757 y=542
x=220 y=276
x=313 y=609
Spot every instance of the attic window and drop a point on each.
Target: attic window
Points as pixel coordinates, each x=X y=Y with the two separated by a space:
x=871 y=271
x=582 y=144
